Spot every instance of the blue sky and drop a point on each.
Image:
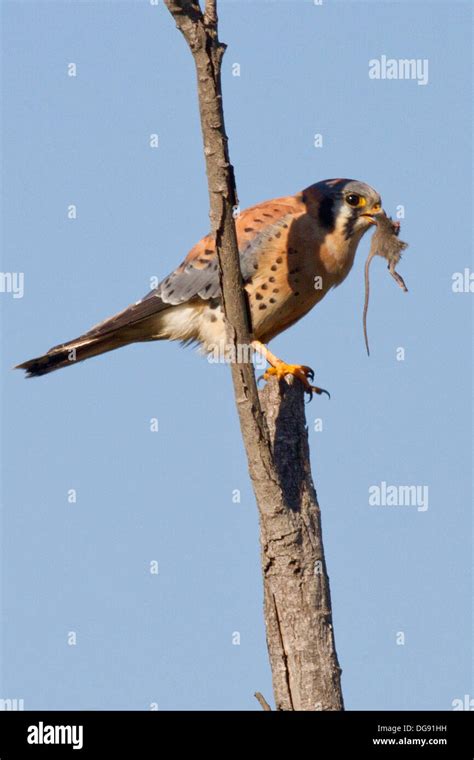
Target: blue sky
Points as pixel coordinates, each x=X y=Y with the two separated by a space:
x=83 y=567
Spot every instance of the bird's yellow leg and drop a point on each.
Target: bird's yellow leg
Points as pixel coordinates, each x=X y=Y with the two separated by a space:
x=281 y=368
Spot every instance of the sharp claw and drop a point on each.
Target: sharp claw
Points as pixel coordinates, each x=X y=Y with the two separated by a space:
x=303 y=373
x=319 y=391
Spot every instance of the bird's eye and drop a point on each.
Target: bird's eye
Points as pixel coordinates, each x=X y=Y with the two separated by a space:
x=355 y=200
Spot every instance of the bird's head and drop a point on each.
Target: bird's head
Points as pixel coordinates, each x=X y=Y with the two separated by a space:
x=347 y=204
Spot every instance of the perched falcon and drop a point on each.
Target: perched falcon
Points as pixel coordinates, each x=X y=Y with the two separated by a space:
x=293 y=250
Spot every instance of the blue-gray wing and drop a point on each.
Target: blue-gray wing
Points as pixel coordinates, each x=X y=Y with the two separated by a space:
x=198 y=275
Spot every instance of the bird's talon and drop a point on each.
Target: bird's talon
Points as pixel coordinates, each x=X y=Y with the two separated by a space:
x=319 y=391
x=314 y=389
x=300 y=371
x=268 y=373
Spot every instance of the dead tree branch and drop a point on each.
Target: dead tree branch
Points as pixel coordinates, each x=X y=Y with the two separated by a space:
x=305 y=670
x=263 y=702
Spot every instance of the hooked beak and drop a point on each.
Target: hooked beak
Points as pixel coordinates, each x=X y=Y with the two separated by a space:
x=373 y=213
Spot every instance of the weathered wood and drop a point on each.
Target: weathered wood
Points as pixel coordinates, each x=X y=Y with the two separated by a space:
x=300 y=638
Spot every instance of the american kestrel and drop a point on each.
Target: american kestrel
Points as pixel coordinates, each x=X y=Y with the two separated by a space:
x=293 y=250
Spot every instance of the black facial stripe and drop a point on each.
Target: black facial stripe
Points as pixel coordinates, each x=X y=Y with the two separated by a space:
x=326 y=213
x=349 y=225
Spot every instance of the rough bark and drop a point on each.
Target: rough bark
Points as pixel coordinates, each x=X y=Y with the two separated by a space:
x=300 y=638
x=305 y=671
